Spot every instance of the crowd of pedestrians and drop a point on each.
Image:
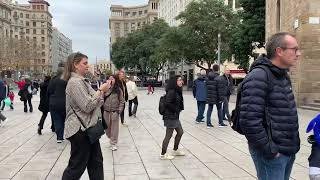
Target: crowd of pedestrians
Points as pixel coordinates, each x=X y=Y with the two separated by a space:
x=267 y=110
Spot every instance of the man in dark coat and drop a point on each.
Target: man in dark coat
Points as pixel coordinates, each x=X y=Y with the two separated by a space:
x=228 y=83
x=7 y=91
x=215 y=92
x=44 y=104
x=200 y=93
x=268 y=112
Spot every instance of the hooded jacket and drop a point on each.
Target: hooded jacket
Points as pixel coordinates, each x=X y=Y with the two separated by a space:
x=282 y=111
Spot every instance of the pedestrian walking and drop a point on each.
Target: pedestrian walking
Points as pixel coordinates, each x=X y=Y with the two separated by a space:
x=122 y=84
x=26 y=95
x=171 y=117
x=228 y=81
x=268 y=112
x=132 y=96
x=215 y=92
x=86 y=103
x=200 y=93
x=44 y=104
x=112 y=108
x=7 y=92
x=57 y=102
x=2 y=97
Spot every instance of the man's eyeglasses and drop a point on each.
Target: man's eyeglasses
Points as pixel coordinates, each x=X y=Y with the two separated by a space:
x=296 y=49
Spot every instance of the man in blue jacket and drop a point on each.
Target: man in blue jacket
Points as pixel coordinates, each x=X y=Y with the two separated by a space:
x=200 y=93
x=268 y=112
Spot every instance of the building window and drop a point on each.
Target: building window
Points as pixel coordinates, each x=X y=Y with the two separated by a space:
x=145 y=11
x=21 y=15
x=34 y=38
x=140 y=13
x=42 y=24
x=27 y=31
x=34 y=31
x=42 y=31
x=27 y=23
x=278 y=20
x=27 y=16
x=126 y=13
x=43 y=61
x=42 y=7
x=43 y=46
x=27 y=38
x=134 y=13
x=34 y=24
x=43 y=53
x=16 y=36
x=43 y=39
x=34 y=7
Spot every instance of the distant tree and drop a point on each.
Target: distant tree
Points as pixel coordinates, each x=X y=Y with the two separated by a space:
x=250 y=31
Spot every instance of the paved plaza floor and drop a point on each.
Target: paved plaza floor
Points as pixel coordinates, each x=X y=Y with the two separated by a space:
x=211 y=154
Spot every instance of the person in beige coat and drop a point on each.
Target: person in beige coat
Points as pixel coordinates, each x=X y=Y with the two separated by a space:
x=112 y=108
x=84 y=102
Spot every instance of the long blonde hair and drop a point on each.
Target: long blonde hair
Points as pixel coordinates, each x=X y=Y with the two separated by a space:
x=73 y=59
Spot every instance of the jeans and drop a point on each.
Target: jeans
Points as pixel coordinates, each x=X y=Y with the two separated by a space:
x=58 y=121
x=135 y=102
x=84 y=155
x=201 y=106
x=209 y=112
x=272 y=169
x=168 y=136
x=225 y=107
x=2 y=117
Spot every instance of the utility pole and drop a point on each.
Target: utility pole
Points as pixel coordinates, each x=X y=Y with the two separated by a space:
x=219 y=50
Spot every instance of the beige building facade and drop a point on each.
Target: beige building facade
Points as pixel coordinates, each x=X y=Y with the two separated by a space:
x=302 y=18
x=32 y=22
x=125 y=20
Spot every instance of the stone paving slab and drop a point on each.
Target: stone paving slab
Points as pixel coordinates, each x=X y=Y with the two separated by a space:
x=217 y=153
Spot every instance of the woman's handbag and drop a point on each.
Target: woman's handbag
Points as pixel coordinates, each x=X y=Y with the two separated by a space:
x=95 y=132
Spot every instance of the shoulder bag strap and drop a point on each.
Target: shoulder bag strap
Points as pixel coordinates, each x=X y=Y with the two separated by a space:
x=78 y=117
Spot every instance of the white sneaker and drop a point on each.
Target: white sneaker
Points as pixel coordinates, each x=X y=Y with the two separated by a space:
x=113 y=148
x=166 y=157
x=178 y=153
x=59 y=141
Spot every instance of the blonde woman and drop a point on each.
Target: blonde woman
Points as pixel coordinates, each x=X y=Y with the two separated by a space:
x=84 y=102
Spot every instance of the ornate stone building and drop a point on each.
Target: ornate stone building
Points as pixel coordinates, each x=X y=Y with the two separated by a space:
x=125 y=20
x=302 y=18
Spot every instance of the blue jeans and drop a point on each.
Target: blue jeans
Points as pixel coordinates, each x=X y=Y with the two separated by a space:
x=58 y=121
x=201 y=106
x=209 y=112
x=272 y=169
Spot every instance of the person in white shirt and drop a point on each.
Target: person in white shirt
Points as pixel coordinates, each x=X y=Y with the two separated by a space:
x=132 y=96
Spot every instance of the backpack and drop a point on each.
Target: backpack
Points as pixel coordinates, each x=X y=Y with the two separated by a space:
x=162 y=104
x=235 y=114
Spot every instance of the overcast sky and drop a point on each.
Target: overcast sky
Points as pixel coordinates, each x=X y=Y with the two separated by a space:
x=86 y=23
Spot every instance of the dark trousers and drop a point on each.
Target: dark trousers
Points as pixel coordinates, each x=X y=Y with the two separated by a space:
x=122 y=115
x=201 y=106
x=84 y=155
x=58 y=121
x=209 y=112
x=2 y=117
x=225 y=107
x=25 y=105
x=43 y=118
x=135 y=102
x=168 y=136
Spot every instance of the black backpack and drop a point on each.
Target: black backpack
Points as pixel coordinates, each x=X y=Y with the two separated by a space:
x=162 y=104
x=235 y=114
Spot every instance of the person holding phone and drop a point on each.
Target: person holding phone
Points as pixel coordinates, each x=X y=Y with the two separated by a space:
x=113 y=106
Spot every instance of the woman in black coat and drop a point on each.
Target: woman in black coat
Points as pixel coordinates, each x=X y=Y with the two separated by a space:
x=174 y=105
x=44 y=104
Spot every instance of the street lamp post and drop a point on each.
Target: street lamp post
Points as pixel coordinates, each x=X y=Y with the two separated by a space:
x=219 y=50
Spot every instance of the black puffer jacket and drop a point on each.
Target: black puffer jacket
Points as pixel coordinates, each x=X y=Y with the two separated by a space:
x=282 y=111
x=215 y=88
x=57 y=95
x=174 y=102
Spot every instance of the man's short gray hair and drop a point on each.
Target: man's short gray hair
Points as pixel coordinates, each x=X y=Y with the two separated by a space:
x=275 y=41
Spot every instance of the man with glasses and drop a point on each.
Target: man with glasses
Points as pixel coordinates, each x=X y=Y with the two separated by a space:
x=268 y=112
